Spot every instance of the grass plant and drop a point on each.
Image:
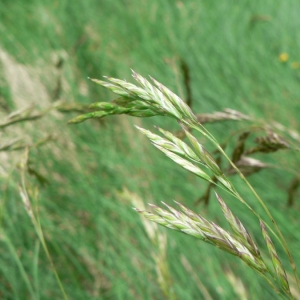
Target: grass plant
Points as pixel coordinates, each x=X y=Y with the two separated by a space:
x=147 y=100
x=237 y=67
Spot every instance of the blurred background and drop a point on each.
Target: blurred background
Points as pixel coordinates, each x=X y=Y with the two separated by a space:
x=83 y=180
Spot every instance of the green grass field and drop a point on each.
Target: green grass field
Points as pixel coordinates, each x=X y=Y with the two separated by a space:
x=240 y=55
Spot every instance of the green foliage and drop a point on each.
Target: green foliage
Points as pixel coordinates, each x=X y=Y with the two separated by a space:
x=96 y=241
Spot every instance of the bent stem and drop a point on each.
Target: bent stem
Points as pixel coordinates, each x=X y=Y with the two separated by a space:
x=200 y=128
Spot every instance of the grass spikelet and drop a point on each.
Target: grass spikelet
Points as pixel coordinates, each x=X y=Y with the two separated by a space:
x=161 y=100
x=280 y=272
x=103 y=106
x=91 y=115
x=238 y=228
x=249 y=165
x=195 y=225
x=225 y=115
x=114 y=88
x=133 y=90
x=186 y=164
x=270 y=143
x=204 y=155
x=176 y=153
x=186 y=150
x=180 y=105
x=240 y=147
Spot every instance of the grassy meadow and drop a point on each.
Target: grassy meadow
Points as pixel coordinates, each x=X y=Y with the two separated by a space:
x=83 y=180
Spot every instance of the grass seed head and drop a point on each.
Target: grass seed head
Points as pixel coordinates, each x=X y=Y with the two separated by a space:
x=280 y=272
x=238 y=228
x=204 y=156
x=195 y=225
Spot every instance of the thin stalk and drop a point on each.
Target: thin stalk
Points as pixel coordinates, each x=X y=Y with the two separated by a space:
x=38 y=228
x=42 y=239
x=23 y=273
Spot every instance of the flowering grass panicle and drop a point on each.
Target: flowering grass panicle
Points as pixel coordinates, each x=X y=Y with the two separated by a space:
x=153 y=99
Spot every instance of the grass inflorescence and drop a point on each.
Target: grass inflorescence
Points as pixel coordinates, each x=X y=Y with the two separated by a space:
x=237 y=67
x=158 y=99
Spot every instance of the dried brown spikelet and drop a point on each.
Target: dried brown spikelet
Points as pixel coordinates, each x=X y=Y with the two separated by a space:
x=248 y=166
x=225 y=115
x=269 y=143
